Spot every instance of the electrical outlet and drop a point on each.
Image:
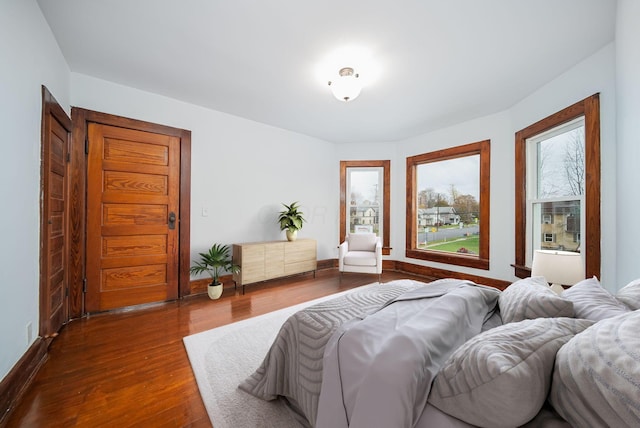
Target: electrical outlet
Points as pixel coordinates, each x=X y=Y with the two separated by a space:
x=29 y=333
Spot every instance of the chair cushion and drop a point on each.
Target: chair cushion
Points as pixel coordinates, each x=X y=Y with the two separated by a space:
x=360 y=258
x=362 y=242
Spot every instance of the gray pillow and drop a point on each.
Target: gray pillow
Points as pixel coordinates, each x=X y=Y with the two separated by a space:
x=596 y=380
x=532 y=298
x=630 y=294
x=501 y=378
x=591 y=301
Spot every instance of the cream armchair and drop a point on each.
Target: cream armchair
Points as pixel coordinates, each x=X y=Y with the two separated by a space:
x=361 y=252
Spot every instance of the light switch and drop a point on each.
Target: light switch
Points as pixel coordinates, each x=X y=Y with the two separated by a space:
x=205 y=212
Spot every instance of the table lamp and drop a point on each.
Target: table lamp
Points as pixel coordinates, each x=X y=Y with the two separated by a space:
x=558 y=268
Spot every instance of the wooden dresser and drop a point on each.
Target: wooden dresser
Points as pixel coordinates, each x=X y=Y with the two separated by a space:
x=260 y=261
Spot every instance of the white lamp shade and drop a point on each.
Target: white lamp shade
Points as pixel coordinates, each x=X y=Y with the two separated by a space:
x=558 y=267
x=347 y=86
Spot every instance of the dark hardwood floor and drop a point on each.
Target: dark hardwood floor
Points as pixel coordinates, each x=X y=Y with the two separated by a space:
x=130 y=367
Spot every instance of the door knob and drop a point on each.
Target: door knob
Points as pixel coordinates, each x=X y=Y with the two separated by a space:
x=172 y=220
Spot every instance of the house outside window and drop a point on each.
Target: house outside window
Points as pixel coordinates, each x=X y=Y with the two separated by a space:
x=364 y=198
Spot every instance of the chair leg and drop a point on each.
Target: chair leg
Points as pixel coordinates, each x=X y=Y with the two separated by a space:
x=379 y=278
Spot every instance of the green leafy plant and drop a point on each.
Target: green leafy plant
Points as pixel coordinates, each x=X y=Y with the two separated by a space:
x=291 y=218
x=214 y=262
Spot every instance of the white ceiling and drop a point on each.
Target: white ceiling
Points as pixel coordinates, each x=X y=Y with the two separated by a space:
x=440 y=62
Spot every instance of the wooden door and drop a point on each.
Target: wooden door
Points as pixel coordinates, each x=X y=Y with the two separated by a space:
x=133 y=186
x=56 y=138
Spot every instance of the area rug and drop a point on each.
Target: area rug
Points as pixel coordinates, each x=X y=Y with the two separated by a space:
x=223 y=357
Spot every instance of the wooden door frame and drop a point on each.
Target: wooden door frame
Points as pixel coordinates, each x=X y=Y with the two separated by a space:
x=80 y=119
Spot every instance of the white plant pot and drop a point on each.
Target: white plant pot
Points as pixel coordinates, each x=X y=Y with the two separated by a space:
x=292 y=235
x=214 y=291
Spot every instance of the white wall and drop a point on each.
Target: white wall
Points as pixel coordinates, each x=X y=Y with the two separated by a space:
x=30 y=58
x=241 y=170
x=628 y=148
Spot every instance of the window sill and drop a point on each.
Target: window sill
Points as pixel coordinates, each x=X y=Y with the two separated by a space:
x=449 y=258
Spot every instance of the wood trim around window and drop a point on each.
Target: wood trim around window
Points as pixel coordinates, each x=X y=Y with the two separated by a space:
x=480 y=261
x=386 y=198
x=590 y=109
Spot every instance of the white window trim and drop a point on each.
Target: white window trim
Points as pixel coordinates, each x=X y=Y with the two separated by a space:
x=534 y=240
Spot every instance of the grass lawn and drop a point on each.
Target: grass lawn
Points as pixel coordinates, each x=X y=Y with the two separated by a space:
x=471 y=243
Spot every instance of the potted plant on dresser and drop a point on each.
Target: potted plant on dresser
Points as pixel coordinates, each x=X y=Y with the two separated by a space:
x=214 y=262
x=291 y=220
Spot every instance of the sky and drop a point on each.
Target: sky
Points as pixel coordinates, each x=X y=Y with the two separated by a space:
x=554 y=178
x=463 y=173
x=365 y=182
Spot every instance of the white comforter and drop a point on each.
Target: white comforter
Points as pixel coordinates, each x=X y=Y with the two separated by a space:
x=378 y=370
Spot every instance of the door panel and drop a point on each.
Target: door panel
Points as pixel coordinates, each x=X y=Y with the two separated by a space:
x=53 y=272
x=132 y=188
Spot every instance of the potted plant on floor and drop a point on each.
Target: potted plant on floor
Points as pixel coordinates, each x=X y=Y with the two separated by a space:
x=214 y=262
x=291 y=220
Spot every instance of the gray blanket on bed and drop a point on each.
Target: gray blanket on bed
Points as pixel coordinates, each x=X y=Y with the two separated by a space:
x=377 y=371
x=293 y=366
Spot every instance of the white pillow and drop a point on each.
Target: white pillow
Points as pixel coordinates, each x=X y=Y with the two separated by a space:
x=596 y=380
x=501 y=378
x=591 y=301
x=630 y=295
x=531 y=298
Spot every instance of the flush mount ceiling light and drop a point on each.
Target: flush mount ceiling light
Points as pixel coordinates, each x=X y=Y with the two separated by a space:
x=347 y=86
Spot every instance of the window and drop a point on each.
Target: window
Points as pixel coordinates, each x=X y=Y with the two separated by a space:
x=365 y=199
x=558 y=186
x=555 y=187
x=448 y=205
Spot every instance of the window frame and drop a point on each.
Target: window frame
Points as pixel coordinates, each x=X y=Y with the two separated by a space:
x=480 y=261
x=386 y=197
x=590 y=109
x=533 y=191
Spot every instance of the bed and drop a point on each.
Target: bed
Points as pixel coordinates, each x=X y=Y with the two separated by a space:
x=452 y=353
